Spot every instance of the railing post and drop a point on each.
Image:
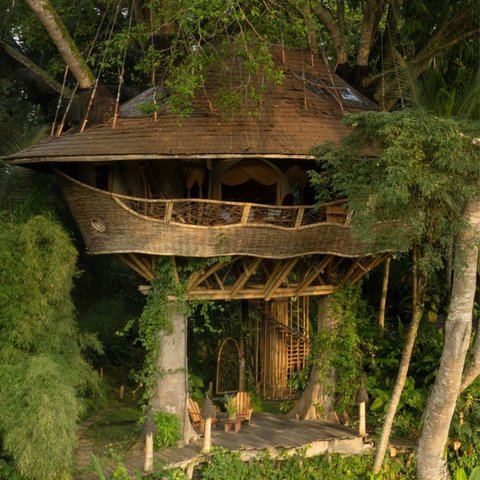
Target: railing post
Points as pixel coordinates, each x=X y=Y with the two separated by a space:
x=299 y=219
x=168 y=211
x=245 y=213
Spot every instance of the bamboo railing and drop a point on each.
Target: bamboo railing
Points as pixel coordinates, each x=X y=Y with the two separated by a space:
x=213 y=213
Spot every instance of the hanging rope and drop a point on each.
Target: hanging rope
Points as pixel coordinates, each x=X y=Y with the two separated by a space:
x=305 y=104
x=335 y=91
x=70 y=102
x=122 y=69
x=94 y=91
x=155 y=114
x=59 y=103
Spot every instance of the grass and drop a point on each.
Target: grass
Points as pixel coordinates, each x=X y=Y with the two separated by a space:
x=118 y=429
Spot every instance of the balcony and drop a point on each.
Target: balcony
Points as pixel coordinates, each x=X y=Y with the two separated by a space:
x=114 y=223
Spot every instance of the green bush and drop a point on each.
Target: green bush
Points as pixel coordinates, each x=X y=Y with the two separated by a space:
x=43 y=375
x=228 y=465
x=168 y=430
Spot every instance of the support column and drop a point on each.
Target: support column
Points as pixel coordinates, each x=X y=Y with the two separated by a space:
x=171 y=393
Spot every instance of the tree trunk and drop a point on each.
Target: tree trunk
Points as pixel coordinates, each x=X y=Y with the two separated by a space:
x=63 y=41
x=41 y=74
x=419 y=284
x=318 y=399
x=171 y=393
x=431 y=461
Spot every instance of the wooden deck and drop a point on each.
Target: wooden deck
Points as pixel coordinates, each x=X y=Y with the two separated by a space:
x=273 y=433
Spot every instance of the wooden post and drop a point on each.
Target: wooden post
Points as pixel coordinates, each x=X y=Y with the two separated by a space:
x=362 y=399
x=150 y=429
x=383 y=298
x=207 y=438
x=121 y=392
x=148 y=466
x=362 y=431
x=208 y=413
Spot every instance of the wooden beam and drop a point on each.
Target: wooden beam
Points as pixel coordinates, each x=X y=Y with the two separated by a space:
x=136 y=268
x=176 y=276
x=218 y=279
x=277 y=280
x=147 y=273
x=366 y=268
x=352 y=268
x=248 y=271
x=298 y=221
x=197 y=278
x=314 y=273
x=245 y=213
x=252 y=293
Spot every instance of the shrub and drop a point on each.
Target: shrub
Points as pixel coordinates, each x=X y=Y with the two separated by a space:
x=168 y=430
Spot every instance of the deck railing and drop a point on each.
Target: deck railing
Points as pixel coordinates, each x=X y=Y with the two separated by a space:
x=212 y=213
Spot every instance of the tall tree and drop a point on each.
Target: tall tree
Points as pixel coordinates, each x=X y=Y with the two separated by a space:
x=416 y=190
x=441 y=403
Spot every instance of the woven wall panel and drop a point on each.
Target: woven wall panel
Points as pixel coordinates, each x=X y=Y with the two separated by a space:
x=108 y=227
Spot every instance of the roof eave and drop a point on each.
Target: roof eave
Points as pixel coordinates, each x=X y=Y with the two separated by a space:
x=153 y=156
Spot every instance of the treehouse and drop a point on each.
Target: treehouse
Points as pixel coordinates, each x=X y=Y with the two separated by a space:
x=233 y=188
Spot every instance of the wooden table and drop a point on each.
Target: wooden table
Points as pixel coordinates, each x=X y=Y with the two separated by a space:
x=236 y=422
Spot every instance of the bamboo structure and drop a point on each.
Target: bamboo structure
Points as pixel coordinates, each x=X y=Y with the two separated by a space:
x=281 y=345
x=231 y=189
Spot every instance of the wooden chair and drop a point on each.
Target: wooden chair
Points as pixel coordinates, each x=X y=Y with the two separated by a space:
x=244 y=406
x=196 y=415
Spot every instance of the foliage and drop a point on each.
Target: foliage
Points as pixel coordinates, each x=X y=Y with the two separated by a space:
x=156 y=318
x=225 y=464
x=117 y=428
x=464 y=447
x=381 y=365
x=7 y=471
x=42 y=372
x=195 y=387
x=230 y=406
x=416 y=181
x=343 y=345
x=167 y=430
x=298 y=380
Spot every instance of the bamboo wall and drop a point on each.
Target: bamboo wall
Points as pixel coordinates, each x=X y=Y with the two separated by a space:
x=280 y=344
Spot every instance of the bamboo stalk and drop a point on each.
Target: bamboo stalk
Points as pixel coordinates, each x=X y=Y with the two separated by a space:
x=383 y=298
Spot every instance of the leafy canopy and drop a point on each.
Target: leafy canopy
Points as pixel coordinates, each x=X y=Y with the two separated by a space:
x=407 y=175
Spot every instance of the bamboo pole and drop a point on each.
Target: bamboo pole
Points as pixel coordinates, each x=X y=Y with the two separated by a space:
x=383 y=298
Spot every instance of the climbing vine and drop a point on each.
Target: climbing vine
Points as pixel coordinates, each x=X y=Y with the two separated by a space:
x=340 y=348
x=167 y=296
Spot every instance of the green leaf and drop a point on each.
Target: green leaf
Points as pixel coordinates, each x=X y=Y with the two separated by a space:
x=475 y=475
x=97 y=467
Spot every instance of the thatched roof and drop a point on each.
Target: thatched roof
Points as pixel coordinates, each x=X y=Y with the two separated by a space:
x=300 y=113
